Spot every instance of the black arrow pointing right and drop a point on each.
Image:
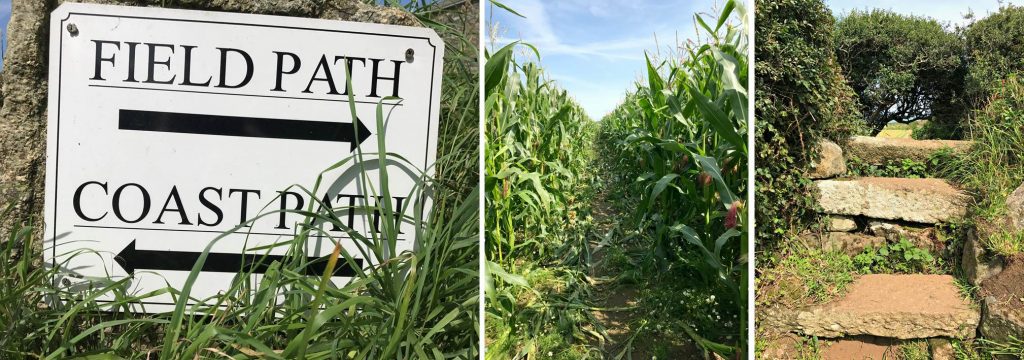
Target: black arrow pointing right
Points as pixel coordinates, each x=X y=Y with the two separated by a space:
x=131 y=259
x=203 y=124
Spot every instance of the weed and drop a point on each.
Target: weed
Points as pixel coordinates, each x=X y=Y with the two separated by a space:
x=902 y=257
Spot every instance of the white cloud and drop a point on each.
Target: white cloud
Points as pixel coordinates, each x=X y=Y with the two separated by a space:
x=538 y=31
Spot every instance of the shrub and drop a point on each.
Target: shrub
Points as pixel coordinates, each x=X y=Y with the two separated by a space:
x=995 y=46
x=903 y=68
x=801 y=97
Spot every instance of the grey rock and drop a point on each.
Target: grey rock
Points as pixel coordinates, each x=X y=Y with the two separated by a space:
x=941 y=349
x=1015 y=209
x=841 y=223
x=922 y=237
x=830 y=161
x=1002 y=319
x=847 y=243
x=976 y=262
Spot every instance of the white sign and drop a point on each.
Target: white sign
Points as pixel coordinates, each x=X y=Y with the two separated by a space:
x=169 y=127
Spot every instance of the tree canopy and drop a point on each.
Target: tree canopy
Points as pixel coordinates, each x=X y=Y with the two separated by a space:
x=903 y=68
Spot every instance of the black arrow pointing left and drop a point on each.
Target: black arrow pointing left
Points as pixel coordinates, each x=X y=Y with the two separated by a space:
x=204 y=124
x=132 y=259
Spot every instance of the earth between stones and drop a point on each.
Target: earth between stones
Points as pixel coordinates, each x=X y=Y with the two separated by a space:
x=1008 y=285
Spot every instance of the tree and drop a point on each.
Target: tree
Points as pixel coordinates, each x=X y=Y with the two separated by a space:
x=903 y=68
x=995 y=48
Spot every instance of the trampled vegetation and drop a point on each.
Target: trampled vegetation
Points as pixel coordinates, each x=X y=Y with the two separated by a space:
x=649 y=201
x=412 y=305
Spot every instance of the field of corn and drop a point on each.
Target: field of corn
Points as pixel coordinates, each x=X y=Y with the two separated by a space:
x=648 y=201
x=412 y=305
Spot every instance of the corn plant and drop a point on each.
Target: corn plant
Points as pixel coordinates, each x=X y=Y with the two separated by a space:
x=678 y=143
x=536 y=163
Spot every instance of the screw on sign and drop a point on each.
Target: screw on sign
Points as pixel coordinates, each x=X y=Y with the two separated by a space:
x=170 y=128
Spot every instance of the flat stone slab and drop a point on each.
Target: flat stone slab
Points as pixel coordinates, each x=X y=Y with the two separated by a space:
x=894 y=306
x=927 y=201
x=878 y=150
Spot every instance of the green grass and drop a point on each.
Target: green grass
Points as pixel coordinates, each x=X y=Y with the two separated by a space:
x=806 y=276
x=420 y=304
x=994 y=166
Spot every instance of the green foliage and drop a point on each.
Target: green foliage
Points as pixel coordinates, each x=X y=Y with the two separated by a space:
x=801 y=97
x=537 y=163
x=677 y=144
x=902 y=68
x=903 y=168
x=995 y=45
x=994 y=166
x=902 y=257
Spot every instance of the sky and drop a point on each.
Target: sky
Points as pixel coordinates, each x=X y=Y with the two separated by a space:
x=594 y=49
x=945 y=11
x=5 y=16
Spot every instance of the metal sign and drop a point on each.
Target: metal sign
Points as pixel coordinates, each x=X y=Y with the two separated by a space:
x=168 y=128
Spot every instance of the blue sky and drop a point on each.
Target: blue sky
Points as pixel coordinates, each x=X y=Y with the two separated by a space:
x=595 y=48
x=946 y=11
x=5 y=16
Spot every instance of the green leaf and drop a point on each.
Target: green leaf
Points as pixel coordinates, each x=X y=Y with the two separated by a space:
x=503 y=6
x=496 y=69
x=721 y=122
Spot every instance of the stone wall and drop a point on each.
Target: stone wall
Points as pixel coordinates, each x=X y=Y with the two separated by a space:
x=23 y=87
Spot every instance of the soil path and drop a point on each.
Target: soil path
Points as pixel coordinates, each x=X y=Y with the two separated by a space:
x=616 y=301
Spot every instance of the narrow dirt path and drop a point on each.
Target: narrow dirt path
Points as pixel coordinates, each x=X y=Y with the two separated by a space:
x=616 y=301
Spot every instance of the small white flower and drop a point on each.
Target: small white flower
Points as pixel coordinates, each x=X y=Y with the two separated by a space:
x=550 y=354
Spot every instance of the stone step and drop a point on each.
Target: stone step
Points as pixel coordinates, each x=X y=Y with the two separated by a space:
x=861 y=348
x=893 y=306
x=878 y=348
x=927 y=201
x=878 y=150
